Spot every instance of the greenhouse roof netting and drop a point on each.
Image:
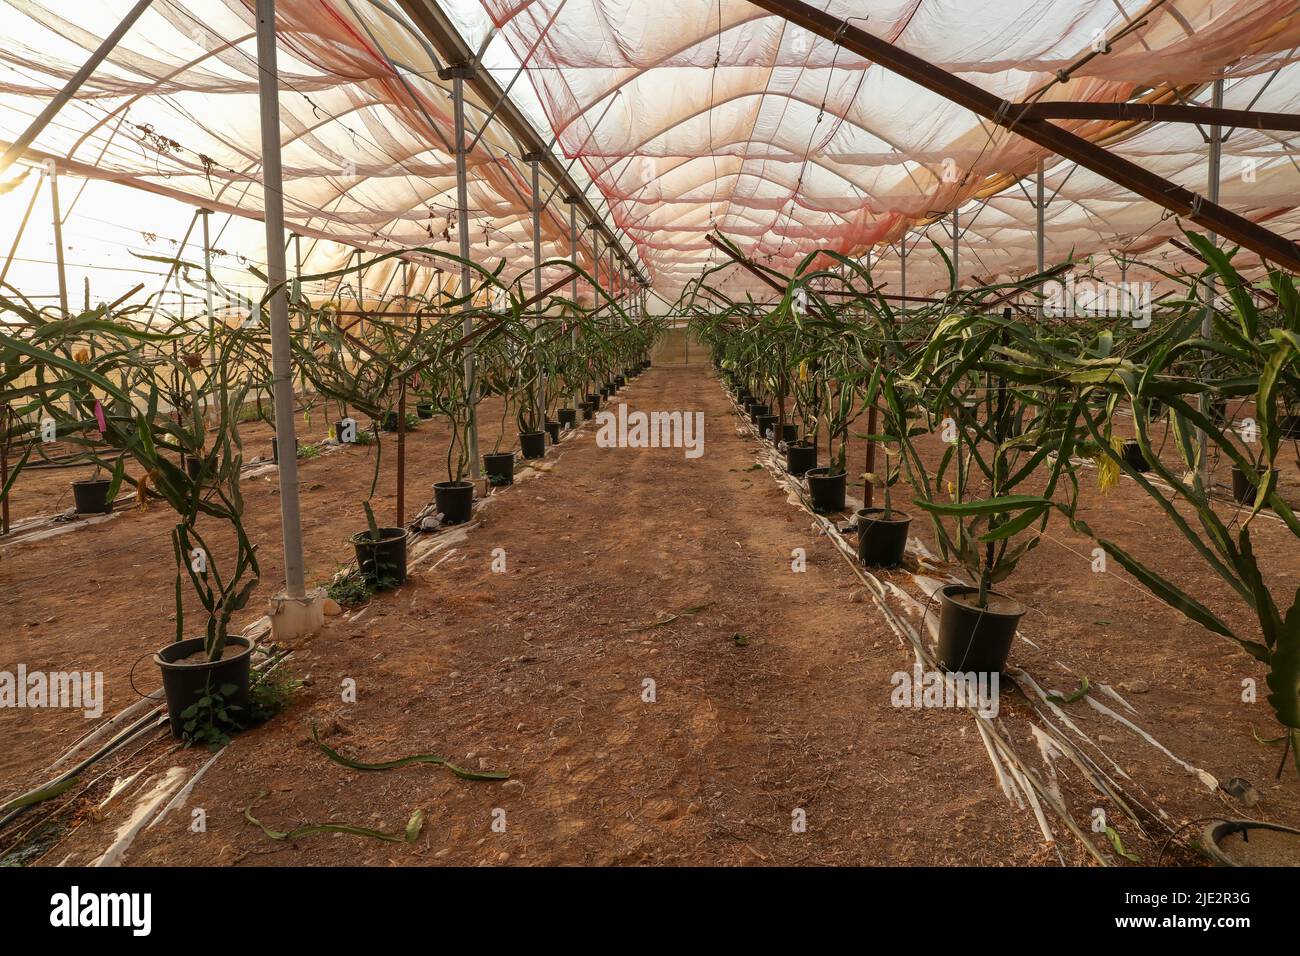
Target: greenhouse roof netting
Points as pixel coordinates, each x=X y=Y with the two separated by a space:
x=682 y=117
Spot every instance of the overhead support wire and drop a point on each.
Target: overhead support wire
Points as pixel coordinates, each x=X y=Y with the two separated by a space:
x=433 y=22
x=1169 y=195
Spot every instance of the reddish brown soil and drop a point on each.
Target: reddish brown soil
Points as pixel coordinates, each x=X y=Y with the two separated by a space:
x=540 y=671
x=100 y=598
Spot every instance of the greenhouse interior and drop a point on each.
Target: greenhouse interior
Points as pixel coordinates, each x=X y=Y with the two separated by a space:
x=591 y=433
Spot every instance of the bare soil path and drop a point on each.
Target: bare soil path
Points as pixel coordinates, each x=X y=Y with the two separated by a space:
x=771 y=693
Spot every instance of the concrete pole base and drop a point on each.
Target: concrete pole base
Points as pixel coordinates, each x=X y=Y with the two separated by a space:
x=295 y=619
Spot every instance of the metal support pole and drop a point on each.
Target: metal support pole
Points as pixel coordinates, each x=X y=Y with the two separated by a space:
x=58 y=237
x=401 y=425
x=1207 y=320
x=27 y=136
x=956 y=248
x=573 y=257
x=281 y=358
x=902 y=268
x=208 y=305
x=533 y=160
x=1040 y=215
x=457 y=75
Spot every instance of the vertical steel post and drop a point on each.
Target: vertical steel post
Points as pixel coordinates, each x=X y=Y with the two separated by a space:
x=458 y=75
x=573 y=257
x=58 y=236
x=535 y=202
x=1040 y=217
x=1207 y=320
x=956 y=248
x=902 y=268
x=401 y=417
x=281 y=351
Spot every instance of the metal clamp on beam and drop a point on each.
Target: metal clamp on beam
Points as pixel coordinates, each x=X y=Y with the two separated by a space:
x=462 y=71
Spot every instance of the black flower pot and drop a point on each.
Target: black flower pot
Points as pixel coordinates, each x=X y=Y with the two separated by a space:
x=568 y=417
x=594 y=399
x=587 y=410
x=1243 y=492
x=275 y=448
x=975 y=639
x=338 y=431
x=382 y=562
x=553 y=429
x=390 y=422
x=499 y=468
x=619 y=381
x=757 y=409
x=194 y=468
x=91 y=496
x=766 y=426
x=1289 y=426
x=826 y=490
x=424 y=410
x=532 y=444
x=455 y=500
x=789 y=432
x=882 y=541
x=800 y=456
x=1133 y=456
x=184 y=684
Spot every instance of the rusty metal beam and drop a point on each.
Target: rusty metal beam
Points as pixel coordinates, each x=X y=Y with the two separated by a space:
x=1182 y=202
x=1156 y=113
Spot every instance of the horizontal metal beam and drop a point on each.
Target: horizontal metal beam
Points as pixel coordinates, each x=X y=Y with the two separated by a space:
x=1157 y=113
x=429 y=17
x=1182 y=202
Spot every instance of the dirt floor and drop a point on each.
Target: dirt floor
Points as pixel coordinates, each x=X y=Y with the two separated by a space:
x=756 y=726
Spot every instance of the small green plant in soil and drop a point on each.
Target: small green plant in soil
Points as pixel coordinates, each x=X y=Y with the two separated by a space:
x=212 y=719
x=349 y=588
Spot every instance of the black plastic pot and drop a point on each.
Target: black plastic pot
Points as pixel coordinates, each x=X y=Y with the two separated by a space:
x=91 y=496
x=1133 y=455
x=1213 y=846
x=553 y=429
x=455 y=499
x=766 y=424
x=800 y=456
x=568 y=417
x=424 y=410
x=1243 y=492
x=500 y=468
x=758 y=409
x=194 y=468
x=826 y=490
x=604 y=391
x=619 y=381
x=882 y=541
x=184 y=684
x=338 y=432
x=275 y=448
x=594 y=399
x=588 y=409
x=532 y=444
x=972 y=638
x=390 y=422
x=383 y=561
x=789 y=432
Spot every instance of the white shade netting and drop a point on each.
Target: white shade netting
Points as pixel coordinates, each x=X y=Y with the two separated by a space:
x=686 y=117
